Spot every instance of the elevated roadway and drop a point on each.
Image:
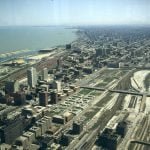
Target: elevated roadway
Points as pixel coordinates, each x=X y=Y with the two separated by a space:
x=117 y=91
x=140 y=142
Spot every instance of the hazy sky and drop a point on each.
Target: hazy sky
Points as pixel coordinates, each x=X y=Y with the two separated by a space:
x=74 y=12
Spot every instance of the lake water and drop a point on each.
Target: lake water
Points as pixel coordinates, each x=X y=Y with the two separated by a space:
x=34 y=38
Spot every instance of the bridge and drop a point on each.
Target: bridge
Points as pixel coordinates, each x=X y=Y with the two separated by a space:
x=117 y=91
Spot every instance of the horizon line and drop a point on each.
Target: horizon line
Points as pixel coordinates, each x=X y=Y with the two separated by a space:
x=75 y=25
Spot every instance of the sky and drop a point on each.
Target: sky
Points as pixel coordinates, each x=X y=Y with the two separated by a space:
x=74 y=12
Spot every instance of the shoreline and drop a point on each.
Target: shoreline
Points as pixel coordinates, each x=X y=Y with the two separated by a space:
x=6 y=56
x=16 y=51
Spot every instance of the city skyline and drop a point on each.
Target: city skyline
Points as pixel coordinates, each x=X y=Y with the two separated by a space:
x=71 y=12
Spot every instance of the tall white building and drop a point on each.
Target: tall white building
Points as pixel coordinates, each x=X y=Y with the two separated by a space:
x=57 y=86
x=45 y=74
x=32 y=77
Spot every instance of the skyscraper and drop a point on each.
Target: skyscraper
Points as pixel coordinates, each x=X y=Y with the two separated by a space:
x=19 y=98
x=44 y=74
x=57 y=85
x=32 y=77
x=12 y=86
x=43 y=98
x=54 y=97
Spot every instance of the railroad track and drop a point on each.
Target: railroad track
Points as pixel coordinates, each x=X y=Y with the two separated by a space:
x=21 y=73
x=142 y=134
x=133 y=102
x=88 y=144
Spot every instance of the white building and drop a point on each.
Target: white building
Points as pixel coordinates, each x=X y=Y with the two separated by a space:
x=32 y=77
x=45 y=74
x=57 y=86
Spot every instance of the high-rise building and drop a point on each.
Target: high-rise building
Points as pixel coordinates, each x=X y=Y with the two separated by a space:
x=12 y=86
x=121 y=128
x=44 y=74
x=77 y=127
x=43 y=98
x=10 y=131
x=54 y=97
x=57 y=85
x=32 y=77
x=109 y=139
x=65 y=140
x=19 y=98
x=68 y=46
x=101 y=52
